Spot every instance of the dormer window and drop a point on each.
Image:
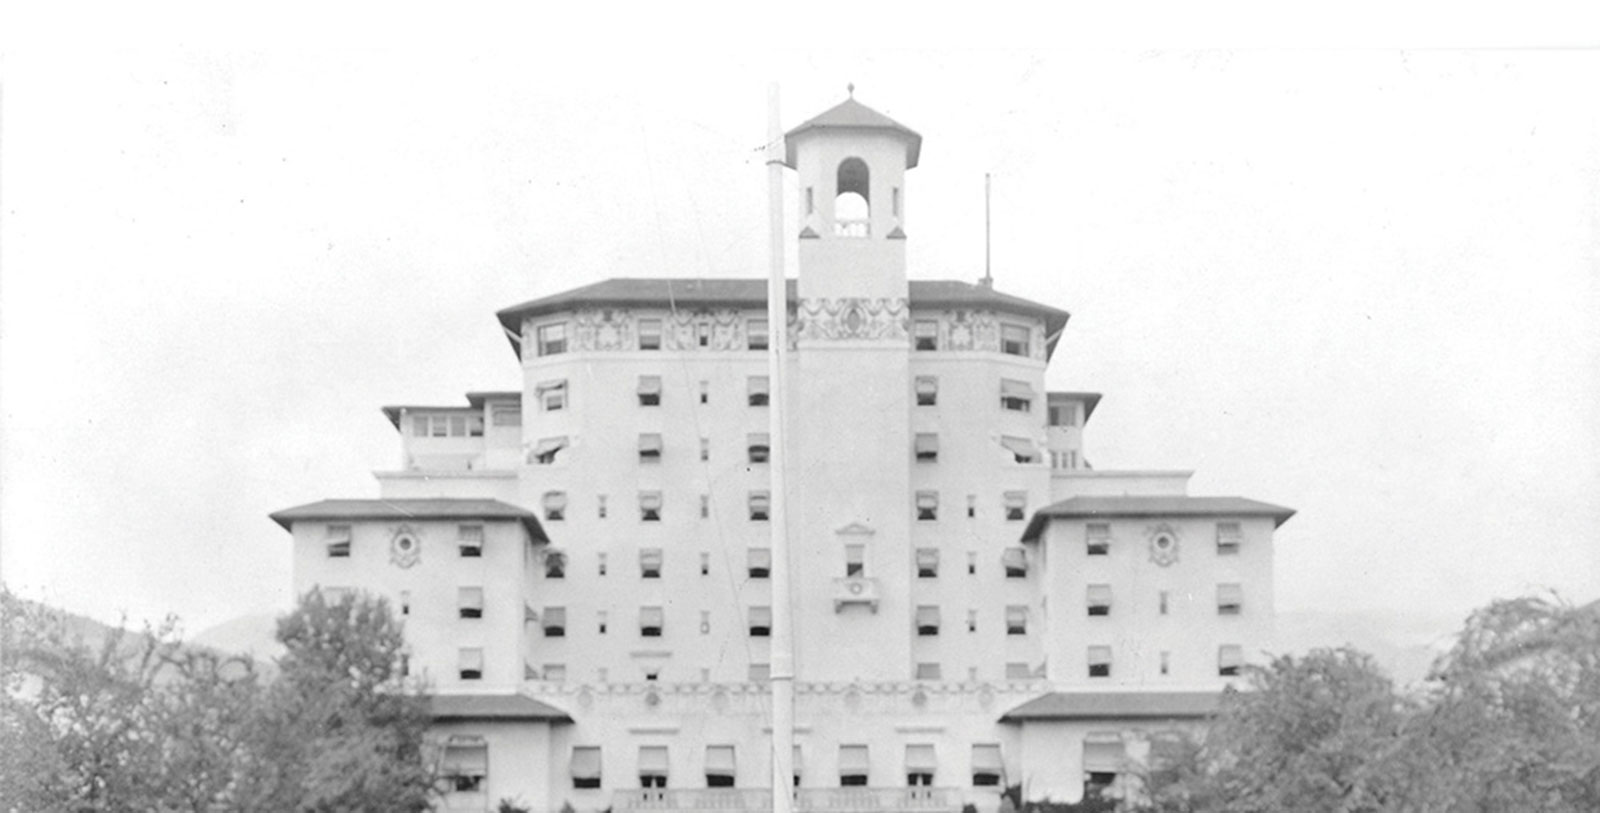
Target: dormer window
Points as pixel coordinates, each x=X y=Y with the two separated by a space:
x=852 y=210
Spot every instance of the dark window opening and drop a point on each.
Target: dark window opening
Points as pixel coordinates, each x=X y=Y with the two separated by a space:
x=718 y=780
x=917 y=779
x=985 y=779
x=586 y=783
x=853 y=780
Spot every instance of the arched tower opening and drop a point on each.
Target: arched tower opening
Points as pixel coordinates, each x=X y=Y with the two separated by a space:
x=852 y=205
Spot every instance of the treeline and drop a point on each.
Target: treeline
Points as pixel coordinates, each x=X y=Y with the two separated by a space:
x=139 y=722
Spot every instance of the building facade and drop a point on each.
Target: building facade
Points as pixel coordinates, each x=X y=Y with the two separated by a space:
x=583 y=565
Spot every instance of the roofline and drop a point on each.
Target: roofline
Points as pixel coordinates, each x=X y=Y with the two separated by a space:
x=1090 y=400
x=1042 y=517
x=526 y=518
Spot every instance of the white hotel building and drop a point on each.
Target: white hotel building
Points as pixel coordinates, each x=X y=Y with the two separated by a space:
x=583 y=564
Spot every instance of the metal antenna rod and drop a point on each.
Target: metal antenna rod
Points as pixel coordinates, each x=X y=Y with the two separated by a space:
x=782 y=663
x=988 y=278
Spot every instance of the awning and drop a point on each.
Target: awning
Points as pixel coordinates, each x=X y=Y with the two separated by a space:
x=1103 y=753
x=927 y=499
x=927 y=443
x=651 y=617
x=927 y=385
x=760 y=557
x=1014 y=559
x=986 y=759
x=719 y=760
x=337 y=533
x=759 y=440
x=1099 y=595
x=555 y=616
x=528 y=614
x=1230 y=656
x=650 y=500
x=1016 y=615
x=470 y=598
x=761 y=617
x=1010 y=388
x=1021 y=448
x=1230 y=594
x=853 y=759
x=549 y=446
x=548 y=386
x=927 y=558
x=466 y=760
x=650 y=443
x=650 y=559
x=649 y=385
x=920 y=759
x=555 y=500
x=652 y=760
x=470 y=659
x=1099 y=655
x=586 y=762
x=927 y=616
x=759 y=385
x=760 y=501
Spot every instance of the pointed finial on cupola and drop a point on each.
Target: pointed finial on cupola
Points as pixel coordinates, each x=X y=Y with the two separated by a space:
x=852 y=89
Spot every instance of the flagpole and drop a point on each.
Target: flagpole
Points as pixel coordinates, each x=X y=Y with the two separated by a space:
x=782 y=657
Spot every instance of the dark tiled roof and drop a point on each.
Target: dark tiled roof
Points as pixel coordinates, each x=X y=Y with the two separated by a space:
x=420 y=509
x=851 y=114
x=1090 y=400
x=624 y=292
x=1121 y=705
x=493 y=707
x=1095 y=507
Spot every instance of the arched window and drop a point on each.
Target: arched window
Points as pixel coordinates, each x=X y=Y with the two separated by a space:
x=852 y=208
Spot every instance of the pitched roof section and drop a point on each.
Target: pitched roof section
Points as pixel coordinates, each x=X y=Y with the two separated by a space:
x=475 y=401
x=1097 y=507
x=1115 y=705
x=632 y=292
x=853 y=115
x=415 y=509
x=509 y=707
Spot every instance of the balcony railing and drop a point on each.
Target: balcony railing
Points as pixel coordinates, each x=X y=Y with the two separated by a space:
x=855 y=590
x=820 y=800
x=852 y=228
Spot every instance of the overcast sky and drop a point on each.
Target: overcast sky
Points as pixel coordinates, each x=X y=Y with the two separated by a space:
x=1362 y=284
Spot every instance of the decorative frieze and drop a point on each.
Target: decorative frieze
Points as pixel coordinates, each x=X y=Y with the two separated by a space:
x=854 y=318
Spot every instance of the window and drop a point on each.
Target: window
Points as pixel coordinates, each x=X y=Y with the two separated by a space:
x=920 y=763
x=338 y=541
x=469 y=664
x=929 y=671
x=926 y=334
x=469 y=540
x=705 y=449
x=1229 y=538
x=649 y=390
x=405 y=602
x=705 y=392
x=811 y=201
x=1103 y=758
x=705 y=506
x=927 y=620
x=555 y=506
x=419 y=426
x=649 y=506
x=972 y=621
x=1099 y=599
x=441 y=426
x=649 y=334
x=649 y=448
x=1022 y=450
x=499 y=415
x=1230 y=657
x=586 y=766
x=855 y=564
x=756 y=334
x=554 y=622
x=705 y=564
x=1166 y=662
x=972 y=563
x=475 y=422
x=1015 y=396
x=652 y=766
x=1016 y=619
x=972 y=506
x=1063 y=415
x=469 y=602
x=927 y=505
x=465 y=765
x=720 y=771
x=1164 y=595
x=760 y=672
x=651 y=620
x=702 y=334
x=1099 y=661
x=1016 y=504
x=760 y=622
x=758 y=563
x=760 y=506
x=854 y=766
x=555 y=672
x=650 y=563
x=896 y=207
x=927 y=563
x=926 y=447
x=552 y=395
x=1230 y=599
x=602 y=561
x=758 y=389
x=553 y=339
x=1097 y=536
x=1014 y=339
x=851 y=209
x=927 y=390
x=600 y=622
x=1015 y=561
x=759 y=445
x=600 y=506
x=1018 y=671
x=544 y=453
x=986 y=765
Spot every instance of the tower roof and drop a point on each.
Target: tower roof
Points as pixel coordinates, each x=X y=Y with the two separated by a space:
x=853 y=115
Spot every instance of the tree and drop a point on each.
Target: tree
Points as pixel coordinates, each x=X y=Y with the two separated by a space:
x=338 y=730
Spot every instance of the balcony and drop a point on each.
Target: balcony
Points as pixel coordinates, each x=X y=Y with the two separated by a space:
x=821 y=800
x=855 y=590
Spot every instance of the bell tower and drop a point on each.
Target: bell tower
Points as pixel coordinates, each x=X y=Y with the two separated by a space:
x=850 y=503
